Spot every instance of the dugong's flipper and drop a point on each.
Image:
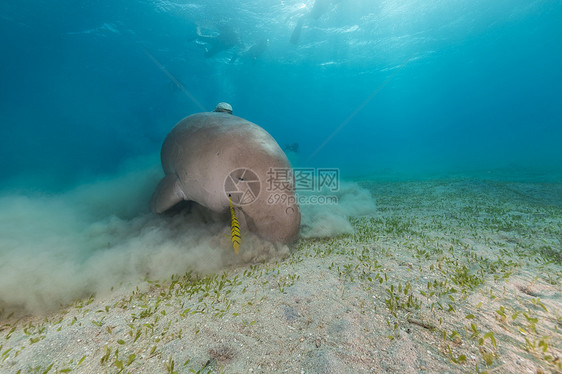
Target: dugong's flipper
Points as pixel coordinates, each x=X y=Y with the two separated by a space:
x=167 y=194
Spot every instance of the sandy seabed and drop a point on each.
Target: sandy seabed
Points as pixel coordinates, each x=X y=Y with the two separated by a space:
x=448 y=276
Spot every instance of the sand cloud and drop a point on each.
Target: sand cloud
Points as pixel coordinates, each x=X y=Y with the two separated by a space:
x=100 y=235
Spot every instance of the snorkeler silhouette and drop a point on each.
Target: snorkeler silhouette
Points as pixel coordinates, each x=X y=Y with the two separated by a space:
x=319 y=8
x=253 y=52
x=226 y=38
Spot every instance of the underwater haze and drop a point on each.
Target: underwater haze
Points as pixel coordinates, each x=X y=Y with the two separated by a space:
x=392 y=89
x=414 y=87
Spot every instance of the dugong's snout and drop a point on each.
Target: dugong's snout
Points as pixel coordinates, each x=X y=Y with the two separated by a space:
x=280 y=224
x=292 y=223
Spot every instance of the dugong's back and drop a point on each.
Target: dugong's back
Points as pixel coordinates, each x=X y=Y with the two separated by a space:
x=202 y=135
x=202 y=150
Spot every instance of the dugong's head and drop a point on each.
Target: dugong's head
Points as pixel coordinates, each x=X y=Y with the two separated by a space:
x=265 y=200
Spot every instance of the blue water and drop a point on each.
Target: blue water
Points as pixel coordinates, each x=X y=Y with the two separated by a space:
x=406 y=87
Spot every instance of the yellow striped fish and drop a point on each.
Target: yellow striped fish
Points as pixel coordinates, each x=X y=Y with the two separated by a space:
x=236 y=238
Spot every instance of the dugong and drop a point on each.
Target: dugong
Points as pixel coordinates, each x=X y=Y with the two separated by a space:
x=213 y=156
